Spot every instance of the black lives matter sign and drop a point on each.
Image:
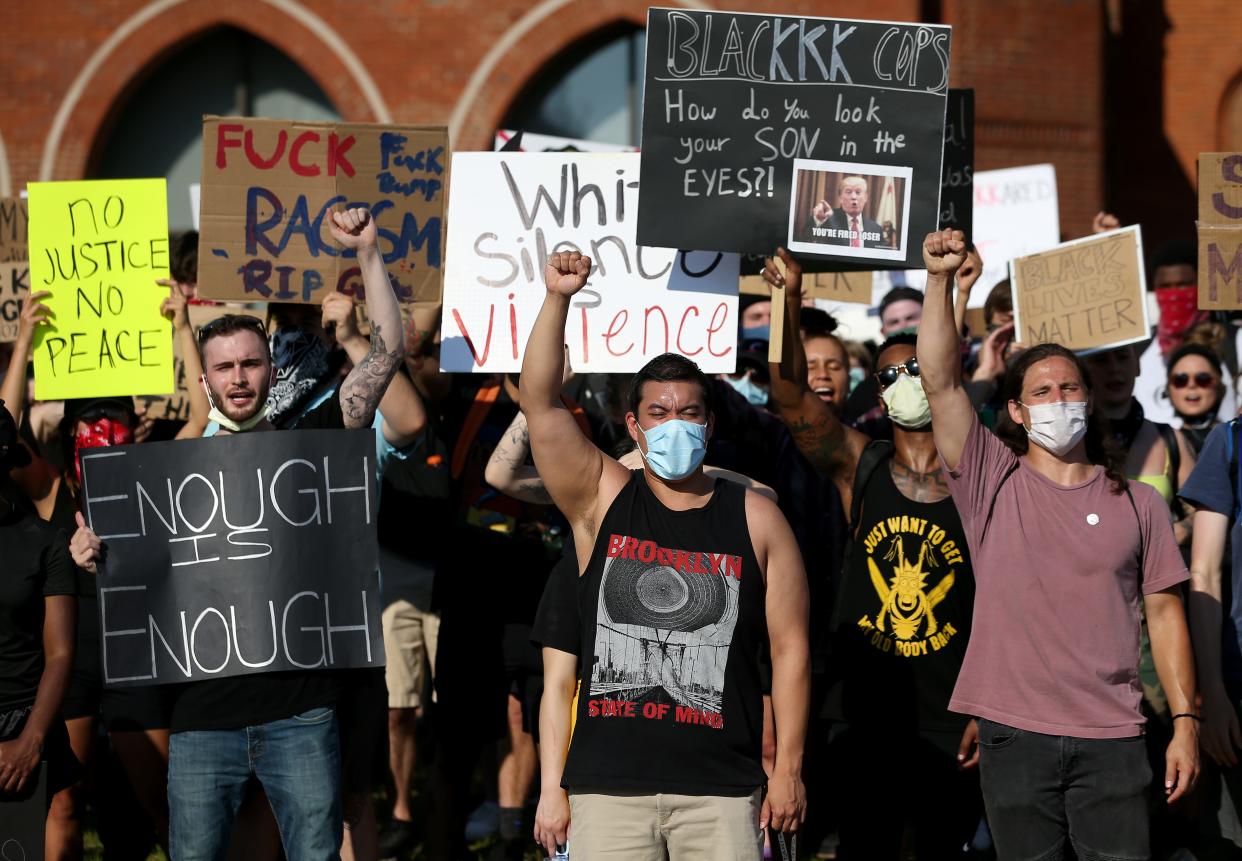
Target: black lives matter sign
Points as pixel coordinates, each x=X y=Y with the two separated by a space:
x=732 y=99
x=233 y=555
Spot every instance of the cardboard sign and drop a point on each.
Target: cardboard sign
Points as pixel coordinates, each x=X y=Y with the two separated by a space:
x=176 y=406
x=235 y=555
x=266 y=185
x=1087 y=295
x=14 y=285
x=508 y=140
x=830 y=286
x=99 y=247
x=14 y=219
x=23 y=819
x=14 y=271
x=1220 y=230
x=732 y=99
x=957 y=174
x=509 y=211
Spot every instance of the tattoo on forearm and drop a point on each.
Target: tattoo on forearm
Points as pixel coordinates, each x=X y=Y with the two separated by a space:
x=821 y=438
x=534 y=490
x=364 y=388
x=919 y=486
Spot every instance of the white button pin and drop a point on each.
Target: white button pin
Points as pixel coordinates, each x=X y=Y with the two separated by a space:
x=1093 y=519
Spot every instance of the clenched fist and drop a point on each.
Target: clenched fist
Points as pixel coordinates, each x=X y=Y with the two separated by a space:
x=566 y=273
x=944 y=252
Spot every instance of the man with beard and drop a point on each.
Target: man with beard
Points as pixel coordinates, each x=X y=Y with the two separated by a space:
x=278 y=728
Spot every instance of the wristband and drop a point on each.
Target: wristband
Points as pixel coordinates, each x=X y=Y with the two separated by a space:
x=1193 y=717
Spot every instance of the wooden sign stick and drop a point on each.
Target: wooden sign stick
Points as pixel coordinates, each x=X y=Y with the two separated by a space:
x=776 y=326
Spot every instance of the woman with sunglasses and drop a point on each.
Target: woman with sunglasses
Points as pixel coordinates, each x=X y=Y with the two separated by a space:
x=1195 y=390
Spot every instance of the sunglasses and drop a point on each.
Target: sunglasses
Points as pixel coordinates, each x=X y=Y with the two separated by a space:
x=888 y=376
x=1202 y=379
x=234 y=322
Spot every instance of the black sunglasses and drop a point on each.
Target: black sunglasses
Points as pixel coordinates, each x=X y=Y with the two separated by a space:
x=888 y=376
x=1202 y=379
x=233 y=322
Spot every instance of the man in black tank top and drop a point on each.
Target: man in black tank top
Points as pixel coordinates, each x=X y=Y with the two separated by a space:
x=683 y=578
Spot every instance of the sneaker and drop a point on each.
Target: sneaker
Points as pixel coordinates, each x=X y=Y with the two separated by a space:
x=483 y=822
x=397 y=838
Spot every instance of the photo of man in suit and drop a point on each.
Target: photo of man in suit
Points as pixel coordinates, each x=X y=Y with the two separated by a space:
x=846 y=224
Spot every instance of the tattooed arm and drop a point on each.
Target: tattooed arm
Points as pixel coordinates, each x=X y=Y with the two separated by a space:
x=830 y=446
x=508 y=471
x=365 y=386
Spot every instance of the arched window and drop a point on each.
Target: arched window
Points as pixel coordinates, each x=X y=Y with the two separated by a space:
x=158 y=130
x=1230 y=132
x=592 y=94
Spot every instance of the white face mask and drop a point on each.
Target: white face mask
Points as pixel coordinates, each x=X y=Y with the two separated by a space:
x=907 y=402
x=1059 y=426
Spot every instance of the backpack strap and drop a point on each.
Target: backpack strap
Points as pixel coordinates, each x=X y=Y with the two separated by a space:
x=1013 y=467
x=1174 y=461
x=1142 y=537
x=876 y=452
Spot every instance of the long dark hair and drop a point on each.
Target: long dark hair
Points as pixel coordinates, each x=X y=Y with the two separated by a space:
x=1102 y=449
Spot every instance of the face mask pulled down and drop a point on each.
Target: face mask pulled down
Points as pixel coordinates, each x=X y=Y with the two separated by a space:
x=675 y=448
x=906 y=403
x=1057 y=427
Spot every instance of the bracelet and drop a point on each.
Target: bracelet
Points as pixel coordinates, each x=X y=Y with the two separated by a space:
x=1193 y=717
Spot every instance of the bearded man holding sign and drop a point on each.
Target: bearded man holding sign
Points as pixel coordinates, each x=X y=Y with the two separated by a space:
x=279 y=728
x=1064 y=548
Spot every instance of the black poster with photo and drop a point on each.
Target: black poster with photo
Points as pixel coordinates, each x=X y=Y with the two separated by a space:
x=732 y=100
x=957 y=177
x=238 y=554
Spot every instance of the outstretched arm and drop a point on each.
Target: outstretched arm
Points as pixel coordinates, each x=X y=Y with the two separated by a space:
x=819 y=434
x=507 y=470
x=571 y=466
x=365 y=386
x=939 y=356
x=13 y=390
x=176 y=308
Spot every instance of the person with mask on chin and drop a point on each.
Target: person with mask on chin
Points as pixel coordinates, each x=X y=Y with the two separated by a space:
x=901 y=617
x=683 y=579
x=1064 y=549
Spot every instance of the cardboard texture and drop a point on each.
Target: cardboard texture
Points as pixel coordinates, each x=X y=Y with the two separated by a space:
x=1220 y=230
x=14 y=218
x=831 y=286
x=14 y=287
x=266 y=185
x=1087 y=295
x=99 y=247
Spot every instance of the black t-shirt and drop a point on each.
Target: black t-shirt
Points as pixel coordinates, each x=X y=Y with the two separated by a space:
x=670 y=621
x=36 y=565
x=906 y=600
x=240 y=701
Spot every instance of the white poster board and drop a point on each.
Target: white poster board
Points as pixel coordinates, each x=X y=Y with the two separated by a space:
x=509 y=211
x=531 y=142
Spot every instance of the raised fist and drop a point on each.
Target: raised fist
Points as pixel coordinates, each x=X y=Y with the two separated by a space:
x=353 y=228
x=566 y=273
x=944 y=252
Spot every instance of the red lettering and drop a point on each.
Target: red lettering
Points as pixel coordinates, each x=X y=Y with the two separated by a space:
x=336 y=155
x=646 y=327
x=631 y=548
x=592 y=708
x=722 y=311
x=717 y=560
x=615 y=543
x=295 y=150
x=223 y=142
x=735 y=567
x=662 y=710
x=487 y=345
x=646 y=551
x=664 y=555
x=698 y=565
x=649 y=710
x=256 y=159
x=682 y=327
x=613 y=331
x=513 y=325
x=682 y=561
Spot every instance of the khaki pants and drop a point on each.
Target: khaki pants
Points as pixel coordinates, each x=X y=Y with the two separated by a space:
x=410 y=636
x=638 y=827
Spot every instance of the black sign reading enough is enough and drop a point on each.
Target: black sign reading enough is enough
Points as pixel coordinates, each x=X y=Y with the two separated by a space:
x=733 y=99
x=248 y=553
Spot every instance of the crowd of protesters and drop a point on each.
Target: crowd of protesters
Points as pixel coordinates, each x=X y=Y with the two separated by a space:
x=948 y=595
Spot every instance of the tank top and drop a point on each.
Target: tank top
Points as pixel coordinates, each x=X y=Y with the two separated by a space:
x=904 y=613
x=673 y=620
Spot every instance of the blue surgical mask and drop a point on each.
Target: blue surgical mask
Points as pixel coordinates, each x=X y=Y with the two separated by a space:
x=857 y=375
x=675 y=448
x=749 y=389
x=757 y=333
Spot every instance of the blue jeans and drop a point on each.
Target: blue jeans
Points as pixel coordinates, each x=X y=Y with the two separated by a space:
x=298 y=762
x=1044 y=791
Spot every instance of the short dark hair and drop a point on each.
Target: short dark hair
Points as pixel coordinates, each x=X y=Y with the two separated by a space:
x=668 y=368
x=231 y=324
x=1202 y=350
x=901 y=339
x=183 y=258
x=999 y=301
x=1175 y=252
x=816 y=322
x=900 y=294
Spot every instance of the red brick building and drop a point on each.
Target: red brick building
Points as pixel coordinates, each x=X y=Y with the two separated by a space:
x=1120 y=94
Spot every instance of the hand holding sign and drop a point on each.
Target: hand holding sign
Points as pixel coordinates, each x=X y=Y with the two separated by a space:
x=944 y=252
x=566 y=273
x=791 y=280
x=353 y=228
x=18 y=760
x=176 y=308
x=34 y=313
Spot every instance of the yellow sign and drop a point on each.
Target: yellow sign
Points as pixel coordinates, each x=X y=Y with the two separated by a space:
x=99 y=247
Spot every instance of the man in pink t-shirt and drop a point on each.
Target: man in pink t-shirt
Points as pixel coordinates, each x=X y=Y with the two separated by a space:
x=1063 y=548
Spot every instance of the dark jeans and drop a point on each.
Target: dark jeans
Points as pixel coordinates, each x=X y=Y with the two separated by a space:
x=1040 y=790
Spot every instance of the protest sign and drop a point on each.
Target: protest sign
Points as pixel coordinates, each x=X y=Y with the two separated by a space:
x=196 y=190
x=732 y=99
x=267 y=184
x=23 y=819
x=956 y=177
x=13 y=229
x=235 y=555
x=1220 y=230
x=1088 y=294
x=14 y=271
x=509 y=211
x=508 y=140
x=176 y=405
x=99 y=247
x=830 y=286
